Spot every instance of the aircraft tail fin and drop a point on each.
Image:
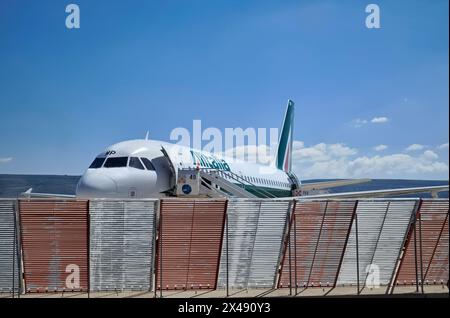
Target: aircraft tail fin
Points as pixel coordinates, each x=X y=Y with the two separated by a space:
x=284 y=151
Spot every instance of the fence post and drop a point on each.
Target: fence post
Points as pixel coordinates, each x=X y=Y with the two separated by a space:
x=290 y=260
x=295 y=254
x=18 y=248
x=160 y=254
x=14 y=254
x=155 y=247
x=226 y=242
x=357 y=254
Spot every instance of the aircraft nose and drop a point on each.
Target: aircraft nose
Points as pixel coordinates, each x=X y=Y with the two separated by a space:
x=94 y=184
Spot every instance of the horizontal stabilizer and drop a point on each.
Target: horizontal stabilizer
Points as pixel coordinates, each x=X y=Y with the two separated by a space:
x=30 y=194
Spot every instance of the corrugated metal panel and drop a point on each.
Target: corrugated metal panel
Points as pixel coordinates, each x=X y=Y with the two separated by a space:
x=255 y=234
x=304 y=233
x=242 y=217
x=431 y=233
x=174 y=241
x=9 y=265
x=268 y=242
x=55 y=244
x=121 y=244
x=370 y=217
x=392 y=238
x=206 y=241
x=437 y=271
x=318 y=233
x=189 y=243
x=382 y=227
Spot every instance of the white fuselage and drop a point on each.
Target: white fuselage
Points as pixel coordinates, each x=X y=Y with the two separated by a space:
x=145 y=169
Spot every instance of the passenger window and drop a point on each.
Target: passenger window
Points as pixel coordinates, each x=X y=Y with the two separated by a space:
x=116 y=162
x=97 y=163
x=148 y=164
x=136 y=163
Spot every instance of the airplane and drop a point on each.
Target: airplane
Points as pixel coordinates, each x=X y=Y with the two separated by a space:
x=145 y=168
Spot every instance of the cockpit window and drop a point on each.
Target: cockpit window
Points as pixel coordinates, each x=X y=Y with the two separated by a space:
x=136 y=163
x=148 y=164
x=116 y=162
x=97 y=163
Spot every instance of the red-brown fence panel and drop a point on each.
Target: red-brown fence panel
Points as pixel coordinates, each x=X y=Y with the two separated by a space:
x=437 y=271
x=54 y=237
x=189 y=243
x=426 y=253
x=318 y=235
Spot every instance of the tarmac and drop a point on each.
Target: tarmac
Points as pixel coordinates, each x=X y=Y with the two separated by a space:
x=429 y=291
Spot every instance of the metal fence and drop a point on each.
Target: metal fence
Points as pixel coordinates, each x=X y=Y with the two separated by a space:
x=55 y=245
x=317 y=239
x=252 y=243
x=122 y=235
x=103 y=245
x=425 y=257
x=9 y=248
x=189 y=243
x=376 y=238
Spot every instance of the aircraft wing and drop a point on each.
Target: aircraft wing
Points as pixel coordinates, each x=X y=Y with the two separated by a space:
x=331 y=184
x=434 y=190
x=30 y=194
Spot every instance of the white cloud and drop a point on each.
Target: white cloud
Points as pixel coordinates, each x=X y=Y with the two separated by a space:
x=319 y=161
x=298 y=144
x=342 y=161
x=380 y=147
x=321 y=151
x=430 y=155
x=357 y=123
x=5 y=160
x=341 y=150
x=379 y=120
x=415 y=147
x=252 y=153
x=443 y=146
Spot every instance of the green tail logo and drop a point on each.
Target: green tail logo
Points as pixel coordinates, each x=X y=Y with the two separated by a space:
x=284 y=152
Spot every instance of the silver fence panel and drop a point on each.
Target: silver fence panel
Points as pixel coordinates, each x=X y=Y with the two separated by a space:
x=242 y=220
x=9 y=250
x=255 y=234
x=122 y=244
x=392 y=238
x=382 y=226
x=268 y=243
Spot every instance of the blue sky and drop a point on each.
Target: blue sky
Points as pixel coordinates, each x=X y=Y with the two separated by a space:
x=135 y=66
